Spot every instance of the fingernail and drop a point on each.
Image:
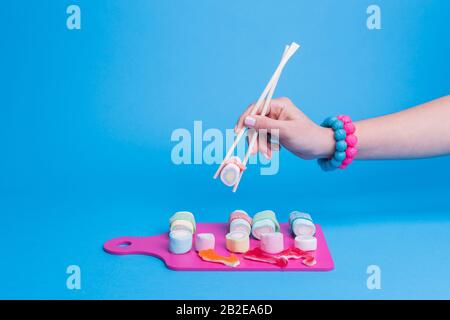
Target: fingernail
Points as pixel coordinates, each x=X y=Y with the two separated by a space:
x=249 y=121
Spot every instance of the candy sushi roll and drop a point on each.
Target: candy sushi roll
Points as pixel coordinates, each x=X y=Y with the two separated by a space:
x=240 y=221
x=264 y=222
x=182 y=220
x=301 y=224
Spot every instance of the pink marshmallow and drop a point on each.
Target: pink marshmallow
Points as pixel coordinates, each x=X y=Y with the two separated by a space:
x=272 y=242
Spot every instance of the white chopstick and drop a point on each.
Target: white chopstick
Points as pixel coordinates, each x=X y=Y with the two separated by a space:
x=254 y=111
x=288 y=52
x=266 y=96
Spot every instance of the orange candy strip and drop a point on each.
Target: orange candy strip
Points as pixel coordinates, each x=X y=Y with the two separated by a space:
x=212 y=256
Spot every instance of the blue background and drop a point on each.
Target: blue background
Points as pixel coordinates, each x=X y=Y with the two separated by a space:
x=86 y=118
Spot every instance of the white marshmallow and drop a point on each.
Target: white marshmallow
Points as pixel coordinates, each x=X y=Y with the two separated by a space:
x=306 y=243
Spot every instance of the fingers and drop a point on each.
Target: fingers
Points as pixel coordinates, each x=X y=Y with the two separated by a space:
x=261 y=122
x=254 y=148
x=240 y=122
x=263 y=143
x=274 y=110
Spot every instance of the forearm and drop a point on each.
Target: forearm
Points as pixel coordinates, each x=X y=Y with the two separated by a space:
x=422 y=131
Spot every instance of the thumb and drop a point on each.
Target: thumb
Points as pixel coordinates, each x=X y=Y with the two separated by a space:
x=261 y=122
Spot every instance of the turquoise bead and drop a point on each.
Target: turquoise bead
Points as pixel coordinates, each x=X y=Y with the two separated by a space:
x=336 y=125
x=340 y=135
x=339 y=156
x=325 y=165
x=322 y=163
x=328 y=122
x=332 y=120
x=335 y=163
x=341 y=145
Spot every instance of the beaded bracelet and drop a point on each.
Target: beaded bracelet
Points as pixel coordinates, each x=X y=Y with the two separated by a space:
x=345 y=149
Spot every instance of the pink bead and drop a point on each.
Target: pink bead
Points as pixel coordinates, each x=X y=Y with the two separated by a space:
x=351 y=152
x=343 y=166
x=346 y=119
x=351 y=140
x=340 y=117
x=347 y=161
x=349 y=128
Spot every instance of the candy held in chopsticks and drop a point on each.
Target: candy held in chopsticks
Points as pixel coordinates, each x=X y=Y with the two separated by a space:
x=237 y=241
x=230 y=173
x=301 y=224
x=264 y=222
x=272 y=242
x=180 y=241
x=212 y=256
x=204 y=241
x=232 y=176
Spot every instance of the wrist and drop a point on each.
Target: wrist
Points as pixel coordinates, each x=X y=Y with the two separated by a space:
x=325 y=143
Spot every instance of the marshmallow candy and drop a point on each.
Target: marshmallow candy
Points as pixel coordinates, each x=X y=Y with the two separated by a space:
x=263 y=222
x=261 y=227
x=182 y=225
x=240 y=214
x=204 y=241
x=184 y=216
x=230 y=173
x=240 y=221
x=301 y=224
x=306 y=243
x=237 y=241
x=272 y=242
x=180 y=241
x=240 y=225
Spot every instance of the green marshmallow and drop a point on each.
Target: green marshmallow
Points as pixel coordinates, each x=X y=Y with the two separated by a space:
x=267 y=214
x=183 y=215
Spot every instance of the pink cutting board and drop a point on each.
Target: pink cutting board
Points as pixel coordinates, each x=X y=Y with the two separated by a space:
x=157 y=246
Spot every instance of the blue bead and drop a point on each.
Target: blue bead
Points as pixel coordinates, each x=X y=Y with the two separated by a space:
x=341 y=145
x=340 y=135
x=335 y=163
x=329 y=121
x=336 y=125
x=322 y=164
x=326 y=122
x=332 y=120
x=339 y=155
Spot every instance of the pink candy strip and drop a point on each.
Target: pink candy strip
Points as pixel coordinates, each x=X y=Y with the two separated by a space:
x=281 y=259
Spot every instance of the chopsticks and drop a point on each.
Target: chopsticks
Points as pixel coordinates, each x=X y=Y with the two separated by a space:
x=265 y=97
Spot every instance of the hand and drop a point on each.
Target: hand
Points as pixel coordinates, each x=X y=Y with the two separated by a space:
x=297 y=132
